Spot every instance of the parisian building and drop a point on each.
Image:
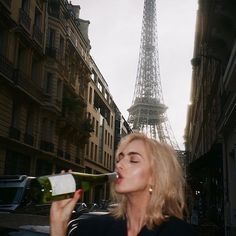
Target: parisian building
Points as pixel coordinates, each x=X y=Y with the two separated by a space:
x=210 y=133
x=99 y=151
x=56 y=111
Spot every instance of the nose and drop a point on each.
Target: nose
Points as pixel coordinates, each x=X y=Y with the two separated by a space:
x=120 y=164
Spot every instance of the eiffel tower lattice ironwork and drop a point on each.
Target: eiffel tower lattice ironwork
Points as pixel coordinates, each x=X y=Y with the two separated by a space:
x=148 y=111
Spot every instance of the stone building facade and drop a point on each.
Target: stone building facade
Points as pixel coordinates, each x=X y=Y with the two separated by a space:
x=56 y=111
x=211 y=119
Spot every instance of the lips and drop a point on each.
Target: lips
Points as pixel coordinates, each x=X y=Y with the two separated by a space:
x=119 y=179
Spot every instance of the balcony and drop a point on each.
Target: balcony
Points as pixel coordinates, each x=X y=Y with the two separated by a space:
x=46 y=146
x=29 y=139
x=29 y=86
x=67 y=156
x=60 y=153
x=14 y=133
x=25 y=20
x=37 y=34
x=51 y=52
x=79 y=161
x=6 y=3
x=6 y=67
x=52 y=104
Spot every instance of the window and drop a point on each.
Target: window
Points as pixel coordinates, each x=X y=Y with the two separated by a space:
x=25 y=5
x=91 y=150
x=112 y=122
x=59 y=89
x=47 y=130
x=61 y=47
x=15 y=114
x=87 y=149
x=104 y=157
x=51 y=39
x=37 y=18
x=99 y=87
x=48 y=83
x=105 y=137
x=67 y=152
x=60 y=146
x=93 y=123
x=17 y=163
x=22 y=58
x=44 y=129
x=96 y=128
x=95 y=151
x=2 y=41
x=108 y=160
x=111 y=142
x=51 y=131
x=29 y=121
x=54 y=8
x=35 y=73
x=90 y=95
x=106 y=95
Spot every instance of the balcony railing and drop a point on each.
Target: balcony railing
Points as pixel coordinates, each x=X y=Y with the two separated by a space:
x=25 y=19
x=79 y=161
x=28 y=85
x=37 y=34
x=14 y=133
x=6 y=67
x=7 y=3
x=46 y=146
x=29 y=139
x=60 y=153
x=67 y=156
x=52 y=52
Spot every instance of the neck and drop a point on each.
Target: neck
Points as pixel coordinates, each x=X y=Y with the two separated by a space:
x=136 y=211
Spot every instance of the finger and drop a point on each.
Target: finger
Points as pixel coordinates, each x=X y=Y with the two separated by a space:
x=71 y=204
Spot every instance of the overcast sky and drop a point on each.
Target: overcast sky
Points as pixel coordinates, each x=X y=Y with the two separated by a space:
x=115 y=33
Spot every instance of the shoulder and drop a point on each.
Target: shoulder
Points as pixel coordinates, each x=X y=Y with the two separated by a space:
x=176 y=226
x=97 y=225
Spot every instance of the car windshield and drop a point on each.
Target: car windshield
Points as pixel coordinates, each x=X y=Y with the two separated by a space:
x=10 y=195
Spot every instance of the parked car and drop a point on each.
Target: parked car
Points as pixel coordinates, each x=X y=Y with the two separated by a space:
x=14 y=192
x=23 y=224
x=15 y=196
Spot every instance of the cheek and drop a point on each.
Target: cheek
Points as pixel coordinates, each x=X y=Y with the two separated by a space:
x=141 y=175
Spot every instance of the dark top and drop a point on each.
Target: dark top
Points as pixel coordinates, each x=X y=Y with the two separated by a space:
x=106 y=225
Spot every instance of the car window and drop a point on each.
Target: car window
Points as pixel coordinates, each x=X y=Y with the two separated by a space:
x=10 y=195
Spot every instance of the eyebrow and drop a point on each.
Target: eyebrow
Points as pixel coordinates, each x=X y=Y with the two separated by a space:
x=135 y=153
x=130 y=153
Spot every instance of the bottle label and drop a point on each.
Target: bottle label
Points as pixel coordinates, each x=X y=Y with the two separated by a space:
x=62 y=184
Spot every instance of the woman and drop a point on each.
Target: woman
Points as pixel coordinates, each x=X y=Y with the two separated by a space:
x=149 y=192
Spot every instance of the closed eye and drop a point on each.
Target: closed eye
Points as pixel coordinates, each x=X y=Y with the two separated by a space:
x=133 y=161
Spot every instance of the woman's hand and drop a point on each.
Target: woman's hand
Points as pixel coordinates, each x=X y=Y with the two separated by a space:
x=60 y=214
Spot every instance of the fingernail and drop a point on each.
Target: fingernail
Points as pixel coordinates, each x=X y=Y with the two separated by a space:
x=79 y=191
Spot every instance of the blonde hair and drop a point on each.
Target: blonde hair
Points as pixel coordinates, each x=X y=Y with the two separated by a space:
x=167 y=198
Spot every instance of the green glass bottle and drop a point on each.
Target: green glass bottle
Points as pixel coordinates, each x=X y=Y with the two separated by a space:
x=48 y=188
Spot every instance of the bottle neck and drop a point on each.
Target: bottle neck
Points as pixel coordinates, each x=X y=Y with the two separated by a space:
x=96 y=177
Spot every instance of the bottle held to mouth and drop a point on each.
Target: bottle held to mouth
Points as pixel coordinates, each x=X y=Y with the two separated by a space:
x=48 y=188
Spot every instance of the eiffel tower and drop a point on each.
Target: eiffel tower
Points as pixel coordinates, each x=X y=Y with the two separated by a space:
x=147 y=113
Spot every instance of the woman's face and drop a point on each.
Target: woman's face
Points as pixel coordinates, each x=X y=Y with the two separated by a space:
x=133 y=168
